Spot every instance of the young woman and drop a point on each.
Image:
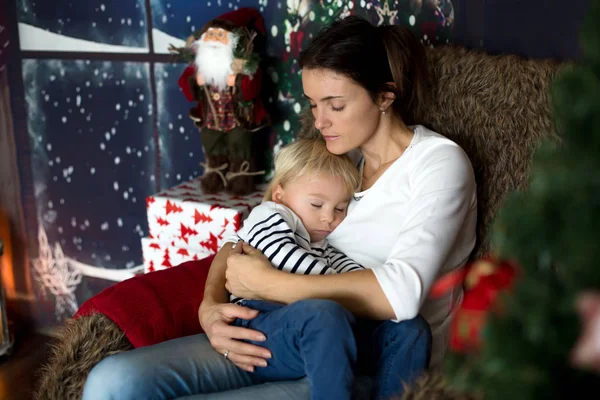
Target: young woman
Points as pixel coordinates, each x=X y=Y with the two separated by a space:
x=412 y=220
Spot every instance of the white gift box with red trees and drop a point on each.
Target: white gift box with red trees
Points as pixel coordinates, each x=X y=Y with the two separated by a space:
x=185 y=224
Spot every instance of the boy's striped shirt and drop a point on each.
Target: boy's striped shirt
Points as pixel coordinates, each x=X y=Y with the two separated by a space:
x=277 y=231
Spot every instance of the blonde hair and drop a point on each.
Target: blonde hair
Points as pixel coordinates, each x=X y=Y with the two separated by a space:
x=309 y=156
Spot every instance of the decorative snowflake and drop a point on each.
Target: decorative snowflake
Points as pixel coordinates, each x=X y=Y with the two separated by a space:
x=385 y=11
x=54 y=275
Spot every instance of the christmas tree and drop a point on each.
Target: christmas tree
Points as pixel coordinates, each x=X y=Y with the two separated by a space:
x=550 y=230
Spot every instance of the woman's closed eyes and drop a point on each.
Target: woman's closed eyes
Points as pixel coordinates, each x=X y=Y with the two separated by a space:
x=336 y=109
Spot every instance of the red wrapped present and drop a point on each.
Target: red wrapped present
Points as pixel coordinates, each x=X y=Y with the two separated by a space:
x=186 y=218
x=160 y=255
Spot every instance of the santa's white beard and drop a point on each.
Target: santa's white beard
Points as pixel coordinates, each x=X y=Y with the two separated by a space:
x=213 y=61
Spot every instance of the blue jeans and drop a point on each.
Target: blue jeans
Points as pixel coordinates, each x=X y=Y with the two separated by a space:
x=389 y=355
x=309 y=338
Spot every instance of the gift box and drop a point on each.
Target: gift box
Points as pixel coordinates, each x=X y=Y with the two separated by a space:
x=184 y=217
x=159 y=255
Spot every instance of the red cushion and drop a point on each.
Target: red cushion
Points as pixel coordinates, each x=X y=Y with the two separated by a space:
x=157 y=306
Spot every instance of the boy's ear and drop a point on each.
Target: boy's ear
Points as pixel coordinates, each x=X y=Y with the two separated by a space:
x=277 y=194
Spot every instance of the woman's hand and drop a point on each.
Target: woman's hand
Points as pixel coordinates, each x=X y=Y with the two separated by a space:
x=216 y=320
x=248 y=272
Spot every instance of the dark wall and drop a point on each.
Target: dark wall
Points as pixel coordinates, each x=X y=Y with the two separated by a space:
x=539 y=29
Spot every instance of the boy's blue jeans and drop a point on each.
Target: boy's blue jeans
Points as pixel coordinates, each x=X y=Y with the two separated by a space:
x=389 y=355
x=311 y=338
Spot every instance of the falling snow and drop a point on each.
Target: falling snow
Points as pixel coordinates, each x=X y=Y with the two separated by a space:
x=175 y=129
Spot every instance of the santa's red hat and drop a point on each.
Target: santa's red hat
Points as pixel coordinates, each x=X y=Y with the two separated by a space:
x=245 y=17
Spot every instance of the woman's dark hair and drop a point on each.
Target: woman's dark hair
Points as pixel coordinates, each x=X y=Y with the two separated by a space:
x=374 y=57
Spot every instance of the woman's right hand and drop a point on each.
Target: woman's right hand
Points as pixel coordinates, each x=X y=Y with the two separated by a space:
x=216 y=320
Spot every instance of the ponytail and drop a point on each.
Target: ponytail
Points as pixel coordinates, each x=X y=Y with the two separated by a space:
x=408 y=66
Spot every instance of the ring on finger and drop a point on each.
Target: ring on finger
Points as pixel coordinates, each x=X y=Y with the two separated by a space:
x=226 y=354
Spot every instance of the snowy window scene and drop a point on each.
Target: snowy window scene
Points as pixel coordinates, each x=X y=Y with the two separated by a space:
x=90 y=127
x=83 y=26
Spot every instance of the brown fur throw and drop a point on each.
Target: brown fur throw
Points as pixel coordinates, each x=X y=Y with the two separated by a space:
x=432 y=387
x=80 y=345
x=497 y=109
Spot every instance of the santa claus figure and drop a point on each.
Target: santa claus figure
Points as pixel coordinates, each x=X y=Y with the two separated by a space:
x=225 y=80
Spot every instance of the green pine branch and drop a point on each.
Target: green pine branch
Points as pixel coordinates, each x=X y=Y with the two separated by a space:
x=551 y=229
